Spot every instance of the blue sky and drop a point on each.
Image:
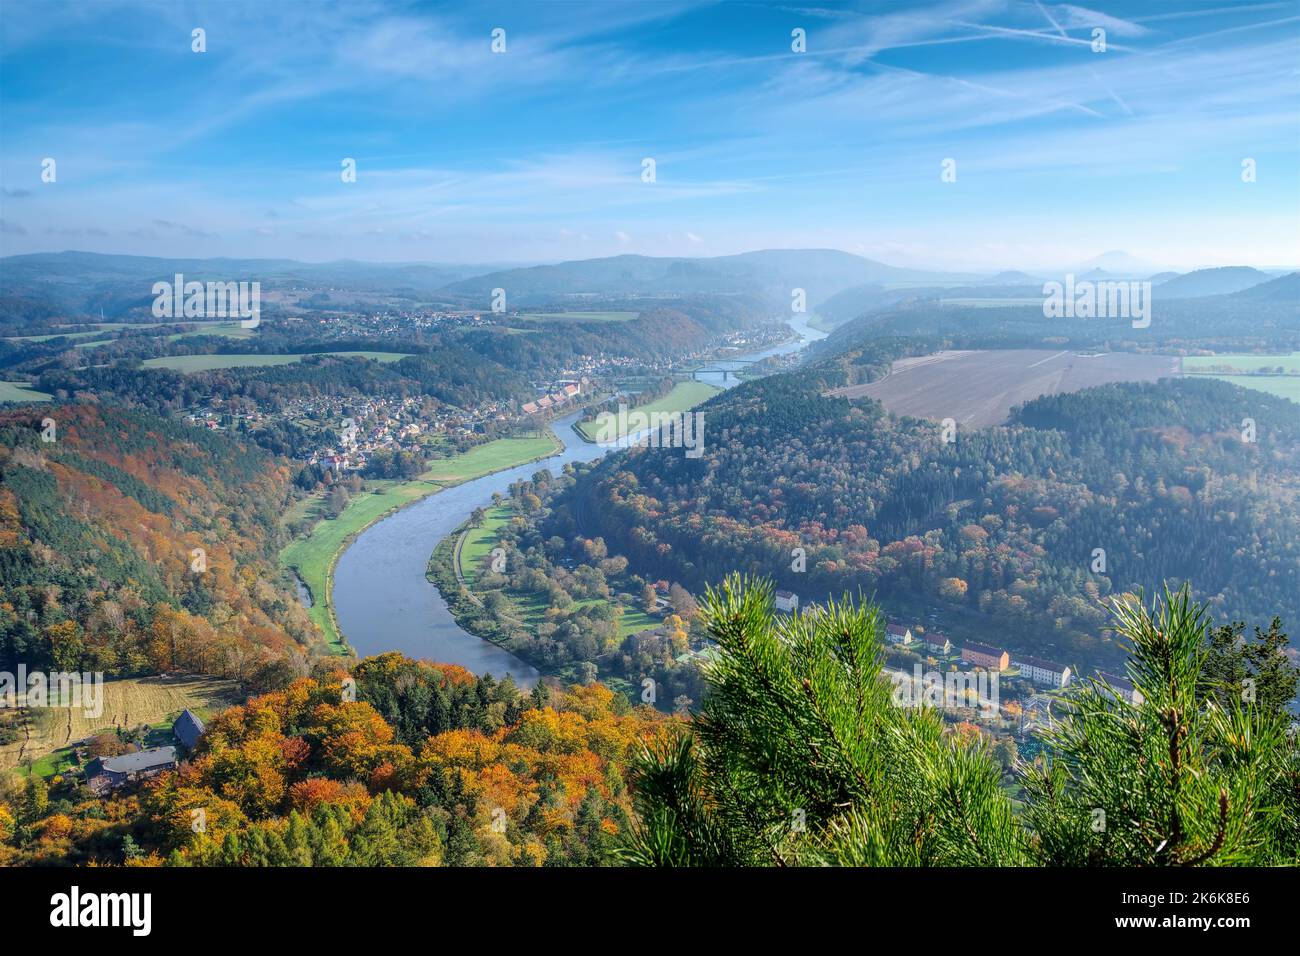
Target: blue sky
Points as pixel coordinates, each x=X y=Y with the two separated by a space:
x=536 y=154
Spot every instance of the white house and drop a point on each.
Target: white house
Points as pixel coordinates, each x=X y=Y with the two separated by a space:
x=937 y=643
x=787 y=601
x=1042 y=671
x=1122 y=687
x=898 y=634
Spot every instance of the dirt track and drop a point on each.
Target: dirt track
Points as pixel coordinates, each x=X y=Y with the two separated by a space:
x=978 y=389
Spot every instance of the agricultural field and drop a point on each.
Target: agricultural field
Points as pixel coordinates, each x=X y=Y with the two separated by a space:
x=313 y=556
x=684 y=396
x=578 y=316
x=228 y=330
x=979 y=388
x=21 y=392
x=128 y=703
x=206 y=363
x=100 y=328
x=1259 y=371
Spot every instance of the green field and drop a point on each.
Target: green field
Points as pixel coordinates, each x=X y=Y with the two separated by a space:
x=47 y=338
x=313 y=556
x=206 y=363
x=228 y=330
x=578 y=316
x=478 y=542
x=684 y=395
x=1242 y=363
x=1286 y=386
x=532 y=611
x=21 y=392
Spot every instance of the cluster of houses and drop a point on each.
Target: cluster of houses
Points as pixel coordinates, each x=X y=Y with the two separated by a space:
x=360 y=427
x=105 y=774
x=1034 y=669
x=567 y=392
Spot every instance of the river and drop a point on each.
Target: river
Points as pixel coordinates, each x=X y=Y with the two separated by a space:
x=384 y=602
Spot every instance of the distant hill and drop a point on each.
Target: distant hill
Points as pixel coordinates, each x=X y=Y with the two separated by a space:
x=1119 y=263
x=852 y=302
x=80 y=284
x=1013 y=278
x=1161 y=277
x=1221 y=281
x=775 y=273
x=1285 y=289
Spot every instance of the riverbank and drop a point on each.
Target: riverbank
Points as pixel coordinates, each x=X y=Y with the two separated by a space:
x=683 y=397
x=454 y=568
x=314 y=557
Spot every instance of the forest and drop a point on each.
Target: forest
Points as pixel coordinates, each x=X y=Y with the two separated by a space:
x=1013 y=532
x=799 y=756
x=132 y=544
x=395 y=763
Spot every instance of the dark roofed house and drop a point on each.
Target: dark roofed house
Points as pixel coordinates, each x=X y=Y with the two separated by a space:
x=108 y=773
x=898 y=634
x=188 y=729
x=938 y=642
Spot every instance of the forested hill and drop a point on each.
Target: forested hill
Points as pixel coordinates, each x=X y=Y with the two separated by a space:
x=1246 y=320
x=663 y=329
x=134 y=544
x=997 y=530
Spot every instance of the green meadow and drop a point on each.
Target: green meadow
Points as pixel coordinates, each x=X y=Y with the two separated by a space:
x=21 y=392
x=684 y=396
x=1222 y=367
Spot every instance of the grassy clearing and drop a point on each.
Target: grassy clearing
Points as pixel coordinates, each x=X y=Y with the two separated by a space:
x=478 y=542
x=127 y=703
x=531 y=609
x=685 y=395
x=314 y=556
x=99 y=329
x=21 y=392
x=1286 y=386
x=56 y=335
x=229 y=330
x=578 y=316
x=206 y=363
